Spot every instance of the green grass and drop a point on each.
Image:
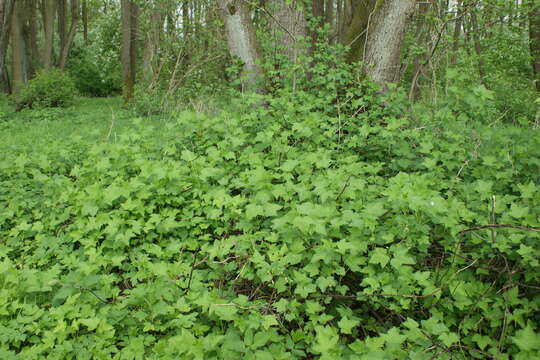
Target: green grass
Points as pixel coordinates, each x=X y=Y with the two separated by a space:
x=100 y=119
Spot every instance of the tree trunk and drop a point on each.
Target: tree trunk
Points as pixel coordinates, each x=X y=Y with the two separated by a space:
x=48 y=24
x=422 y=35
x=242 y=42
x=478 y=47
x=317 y=8
x=186 y=21
x=329 y=12
x=355 y=34
x=62 y=22
x=6 y=17
x=288 y=26
x=71 y=35
x=385 y=34
x=457 y=32
x=129 y=49
x=534 y=37
x=30 y=34
x=151 y=46
x=85 y=21
x=18 y=51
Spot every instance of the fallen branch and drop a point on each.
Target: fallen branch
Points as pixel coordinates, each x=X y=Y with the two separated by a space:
x=491 y=226
x=355 y=297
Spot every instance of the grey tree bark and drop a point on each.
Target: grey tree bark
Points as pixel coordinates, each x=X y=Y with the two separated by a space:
x=288 y=26
x=242 y=42
x=385 y=33
x=151 y=43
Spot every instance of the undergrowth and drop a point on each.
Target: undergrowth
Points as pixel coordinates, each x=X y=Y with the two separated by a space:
x=283 y=232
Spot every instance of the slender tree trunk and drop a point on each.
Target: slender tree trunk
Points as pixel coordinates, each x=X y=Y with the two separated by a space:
x=18 y=51
x=457 y=32
x=534 y=41
x=242 y=42
x=6 y=18
x=339 y=20
x=85 y=21
x=48 y=24
x=422 y=34
x=478 y=47
x=386 y=32
x=62 y=22
x=129 y=49
x=71 y=35
x=186 y=21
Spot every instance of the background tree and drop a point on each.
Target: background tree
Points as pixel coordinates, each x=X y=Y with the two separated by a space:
x=242 y=42
x=129 y=46
x=19 y=61
x=534 y=39
x=6 y=16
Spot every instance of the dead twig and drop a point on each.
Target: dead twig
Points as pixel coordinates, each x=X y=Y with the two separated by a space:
x=491 y=226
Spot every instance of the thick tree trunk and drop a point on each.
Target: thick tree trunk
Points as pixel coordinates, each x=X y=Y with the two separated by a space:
x=242 y=42
x=71 y=35
x=151 y=46
x=534 y=36
x=385 y=34
x=317 y=8
x=18 y=51
x=30 y=34
x=48 y=24
x=129 y=48
x=288 y=26
x=6 y=17
x=329 y=12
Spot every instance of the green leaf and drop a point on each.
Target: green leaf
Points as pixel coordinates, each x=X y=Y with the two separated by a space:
x=527 y=339
x=346 y=325
x=91 y=323
x=518 y=211
x=379 y=256
x=261 y=338
x=188 y=155
x=326 y=340
x=449 y=339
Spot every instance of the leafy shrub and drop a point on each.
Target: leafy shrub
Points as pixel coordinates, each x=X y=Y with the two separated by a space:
x=49 y=89
x=150 y=100
x=92 y=73
x=277 y=233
